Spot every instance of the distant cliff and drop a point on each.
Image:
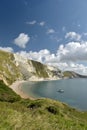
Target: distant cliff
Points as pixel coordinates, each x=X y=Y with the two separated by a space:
x=71 y=74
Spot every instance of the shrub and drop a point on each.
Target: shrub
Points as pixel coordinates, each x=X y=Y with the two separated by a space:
x=34 y=105
x=52 y=109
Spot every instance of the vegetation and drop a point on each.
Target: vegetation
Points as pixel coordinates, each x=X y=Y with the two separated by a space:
x=6 y=94
x=67 y=74
x=40 y=114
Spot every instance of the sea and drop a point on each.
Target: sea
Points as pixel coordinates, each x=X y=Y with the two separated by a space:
x=70 y=91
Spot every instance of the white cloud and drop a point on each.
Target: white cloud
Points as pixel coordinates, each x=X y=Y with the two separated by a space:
x=32 y=22
x=73 y=36
x=22 y=40
x=73 y=51
x=8 y=49
x=50 y=31
x=42 y=23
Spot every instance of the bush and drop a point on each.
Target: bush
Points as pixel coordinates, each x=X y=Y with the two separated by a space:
x=34 y=105
x=52 y=109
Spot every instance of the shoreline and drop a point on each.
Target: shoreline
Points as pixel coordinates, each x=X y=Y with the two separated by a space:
x=16 y=87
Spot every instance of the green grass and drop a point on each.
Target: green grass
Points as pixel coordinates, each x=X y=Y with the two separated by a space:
x=40 y=114
x=21 y=116
x=6 y=94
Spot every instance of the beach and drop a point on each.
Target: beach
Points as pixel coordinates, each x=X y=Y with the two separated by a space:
x=16 y=87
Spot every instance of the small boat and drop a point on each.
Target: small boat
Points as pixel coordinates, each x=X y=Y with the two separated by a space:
x=60 y=91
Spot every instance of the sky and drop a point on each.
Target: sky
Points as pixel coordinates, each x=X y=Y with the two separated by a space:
x=53 y=32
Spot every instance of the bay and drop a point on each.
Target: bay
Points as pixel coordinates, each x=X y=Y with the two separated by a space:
x=75 y=91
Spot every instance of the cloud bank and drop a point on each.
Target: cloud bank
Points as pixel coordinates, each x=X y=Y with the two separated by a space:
x=73 y=51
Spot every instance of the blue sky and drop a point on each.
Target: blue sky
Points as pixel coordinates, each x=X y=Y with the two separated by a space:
x=50 y=31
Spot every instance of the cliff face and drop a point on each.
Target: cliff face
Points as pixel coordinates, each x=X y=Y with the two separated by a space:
x=14 y=67
x=8 y=70
x=33 y=70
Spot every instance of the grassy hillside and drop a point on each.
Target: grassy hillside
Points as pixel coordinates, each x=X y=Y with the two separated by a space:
x=6 y=94
x=41 y=114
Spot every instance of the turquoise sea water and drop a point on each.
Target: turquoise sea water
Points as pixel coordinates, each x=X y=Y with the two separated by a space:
x=75 y=91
